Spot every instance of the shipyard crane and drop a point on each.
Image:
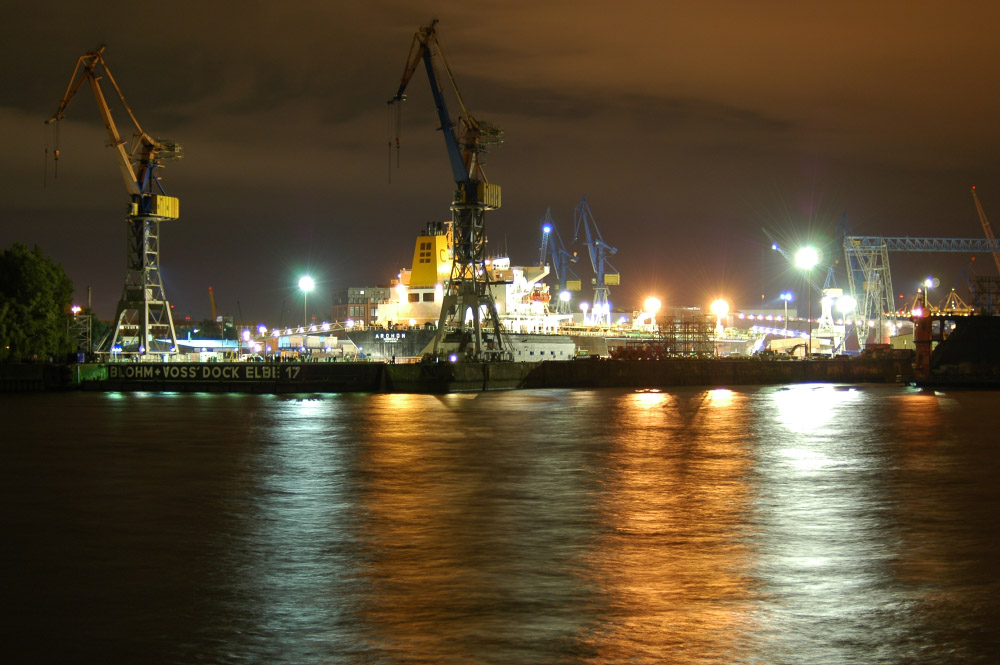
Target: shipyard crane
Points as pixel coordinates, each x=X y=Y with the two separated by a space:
x=987 y=229
x=605 y=274
x=561 y=258
x=143 y=321
x=548 y=226
x=467 y=295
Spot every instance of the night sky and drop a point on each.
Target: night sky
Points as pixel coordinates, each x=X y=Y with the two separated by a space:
x=690 y=127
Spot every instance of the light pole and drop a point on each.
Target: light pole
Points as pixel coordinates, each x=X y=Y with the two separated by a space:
x=307 y=284
x=806 y=258
x=786 y=296
x=930 y=283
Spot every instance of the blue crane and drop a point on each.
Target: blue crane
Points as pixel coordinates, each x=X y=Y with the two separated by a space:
x=561 y=258
x=604 y=273
x=467 y=139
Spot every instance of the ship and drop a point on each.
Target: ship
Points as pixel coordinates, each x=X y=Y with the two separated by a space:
x=408 y=318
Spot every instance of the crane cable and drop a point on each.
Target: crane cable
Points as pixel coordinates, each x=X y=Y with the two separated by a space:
x=55 y=152
x=393 y=123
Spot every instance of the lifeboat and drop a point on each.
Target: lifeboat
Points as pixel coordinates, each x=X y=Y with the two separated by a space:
x=540 y=296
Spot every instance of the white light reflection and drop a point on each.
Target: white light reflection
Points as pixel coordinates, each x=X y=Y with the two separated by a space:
x=809 y=408
x=805 y=460
x=823 y=544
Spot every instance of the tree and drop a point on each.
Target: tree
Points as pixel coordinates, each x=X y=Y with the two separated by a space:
x=35 y=296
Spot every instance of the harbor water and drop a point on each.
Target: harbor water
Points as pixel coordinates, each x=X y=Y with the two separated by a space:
x=810 y=523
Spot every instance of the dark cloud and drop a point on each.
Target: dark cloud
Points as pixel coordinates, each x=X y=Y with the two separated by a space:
x=689 y=126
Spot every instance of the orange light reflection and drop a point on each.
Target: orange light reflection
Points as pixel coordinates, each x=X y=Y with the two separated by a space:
x=676 y=565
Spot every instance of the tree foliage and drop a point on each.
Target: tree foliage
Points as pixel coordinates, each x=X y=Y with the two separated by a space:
x=35 y=296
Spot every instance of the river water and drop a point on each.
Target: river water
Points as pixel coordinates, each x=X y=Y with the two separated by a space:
x=814 y=524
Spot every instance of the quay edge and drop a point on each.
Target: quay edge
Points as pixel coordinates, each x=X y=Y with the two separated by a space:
x=374 y=377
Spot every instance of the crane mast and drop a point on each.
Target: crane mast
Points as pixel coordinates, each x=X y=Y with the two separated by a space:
x=561 y=257
x=467 y=294
x=987 y=229
x=605 y=274
x=143 y=321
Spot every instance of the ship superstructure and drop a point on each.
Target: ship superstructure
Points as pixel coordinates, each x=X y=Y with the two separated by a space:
x=409 y=317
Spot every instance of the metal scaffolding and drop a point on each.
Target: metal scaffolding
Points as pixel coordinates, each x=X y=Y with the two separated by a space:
x=870 y=280
x=684 y=336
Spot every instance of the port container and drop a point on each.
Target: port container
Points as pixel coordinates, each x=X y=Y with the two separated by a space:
x=574 y=285
x=612 y=279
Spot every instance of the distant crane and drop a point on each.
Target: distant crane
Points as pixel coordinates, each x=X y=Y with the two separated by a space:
x=605 y=274
x=143 y=321
x=561 y=258
x=467 y=294
x=987 y=229
x=867 y=259
x=211 y=301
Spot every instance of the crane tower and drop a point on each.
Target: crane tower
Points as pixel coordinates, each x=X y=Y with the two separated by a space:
x=605 y=274
x=143 y=321
x=561 y=257
x=467 y=295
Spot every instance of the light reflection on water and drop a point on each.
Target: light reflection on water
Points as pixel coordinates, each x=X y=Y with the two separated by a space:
x=808 y=523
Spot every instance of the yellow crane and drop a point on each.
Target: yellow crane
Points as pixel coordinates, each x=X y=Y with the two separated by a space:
x=144 y=323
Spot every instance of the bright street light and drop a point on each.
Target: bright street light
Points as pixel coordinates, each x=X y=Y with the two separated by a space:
x=651 y=305
x=806 y=258
x=720 y=308
x=307 y=284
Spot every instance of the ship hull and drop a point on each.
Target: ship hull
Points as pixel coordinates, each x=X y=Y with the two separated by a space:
x=390 y=345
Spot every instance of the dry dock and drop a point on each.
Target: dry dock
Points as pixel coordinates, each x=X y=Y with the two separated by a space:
x=448 y=377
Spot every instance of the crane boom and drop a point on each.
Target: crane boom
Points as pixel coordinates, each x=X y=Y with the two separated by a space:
x=987 y=229
x=604 y=273
x=465 y=140
x=552 y=241
x=138 y=165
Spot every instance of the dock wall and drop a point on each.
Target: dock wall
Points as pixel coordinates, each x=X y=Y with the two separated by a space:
x=33 y=377
x=444 y=377
x=715 y=372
